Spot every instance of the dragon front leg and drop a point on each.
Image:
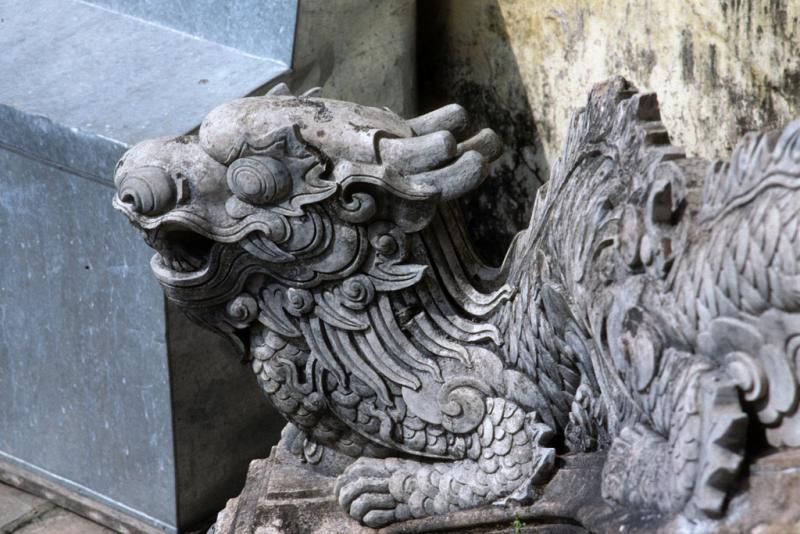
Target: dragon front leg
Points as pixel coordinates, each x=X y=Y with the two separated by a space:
x=511 y=456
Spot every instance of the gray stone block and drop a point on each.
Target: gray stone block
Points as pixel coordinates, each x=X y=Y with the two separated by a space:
x=116 y=76
x=111 y=406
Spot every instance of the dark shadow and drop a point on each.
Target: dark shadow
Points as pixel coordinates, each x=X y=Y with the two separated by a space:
x=458 y=43
x=221 y=419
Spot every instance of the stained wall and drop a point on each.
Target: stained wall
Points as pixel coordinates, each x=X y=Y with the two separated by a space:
x=720 y=68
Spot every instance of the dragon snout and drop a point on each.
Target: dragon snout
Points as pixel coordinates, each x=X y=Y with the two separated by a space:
x=147 y=191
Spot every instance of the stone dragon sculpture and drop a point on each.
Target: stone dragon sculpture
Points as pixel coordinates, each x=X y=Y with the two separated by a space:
x=650 y=309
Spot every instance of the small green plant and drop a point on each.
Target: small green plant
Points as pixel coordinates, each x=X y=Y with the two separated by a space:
x=517 y=525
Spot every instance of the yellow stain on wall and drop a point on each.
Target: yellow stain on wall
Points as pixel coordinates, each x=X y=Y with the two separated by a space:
x=720 y=68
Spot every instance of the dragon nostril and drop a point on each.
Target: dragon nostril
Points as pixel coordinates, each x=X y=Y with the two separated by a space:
x=149 y=191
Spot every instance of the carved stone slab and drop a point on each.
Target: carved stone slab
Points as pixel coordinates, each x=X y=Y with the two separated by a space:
x=768 y=503
x=283 y=495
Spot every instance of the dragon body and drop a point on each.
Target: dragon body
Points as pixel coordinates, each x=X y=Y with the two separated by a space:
x=650 y=308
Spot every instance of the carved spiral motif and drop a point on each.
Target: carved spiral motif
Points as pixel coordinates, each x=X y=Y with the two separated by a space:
x=749 y=375
x=386 y=245
x=243 y=308
x=358 y=292
x=388 y=240
x=150 y=191
x=259 y=180
x=298 y=302
x=360 y=208
x=463 y=404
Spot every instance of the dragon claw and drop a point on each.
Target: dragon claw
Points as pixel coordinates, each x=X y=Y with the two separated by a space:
x=363 y=491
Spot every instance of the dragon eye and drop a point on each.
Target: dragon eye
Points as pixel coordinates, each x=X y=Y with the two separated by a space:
x=259 y=180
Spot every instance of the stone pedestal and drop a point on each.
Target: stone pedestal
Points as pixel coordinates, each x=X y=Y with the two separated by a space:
x=283 y=496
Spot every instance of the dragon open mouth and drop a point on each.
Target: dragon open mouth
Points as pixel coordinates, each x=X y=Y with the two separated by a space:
x=180 y=249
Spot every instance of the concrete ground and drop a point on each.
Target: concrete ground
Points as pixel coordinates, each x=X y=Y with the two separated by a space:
x=23 y=513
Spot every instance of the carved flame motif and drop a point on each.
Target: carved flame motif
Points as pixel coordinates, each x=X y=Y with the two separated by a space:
x=649 y=306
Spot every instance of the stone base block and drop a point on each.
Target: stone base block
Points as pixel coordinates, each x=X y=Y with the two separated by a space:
x=283 y=496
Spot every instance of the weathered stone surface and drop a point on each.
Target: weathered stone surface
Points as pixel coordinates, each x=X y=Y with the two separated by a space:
x=24 y=513
x=282 y=495
x=721 y=69
x=17 y=507
x=768 y=502
x=466 y=57
x=47 y=495
x=650 y=311
x=372 y=62
x=62 y=522
x=570 y=503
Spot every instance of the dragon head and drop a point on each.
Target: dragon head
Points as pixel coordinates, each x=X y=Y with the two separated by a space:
x=299 y=192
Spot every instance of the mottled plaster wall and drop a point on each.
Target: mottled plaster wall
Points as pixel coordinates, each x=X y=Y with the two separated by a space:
x=720 y=68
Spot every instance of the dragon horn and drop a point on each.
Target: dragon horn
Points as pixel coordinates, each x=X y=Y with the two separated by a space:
x=456 y=179
x=451 y=117
x=487 y=142
x=280 y=90
x=416 y=154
